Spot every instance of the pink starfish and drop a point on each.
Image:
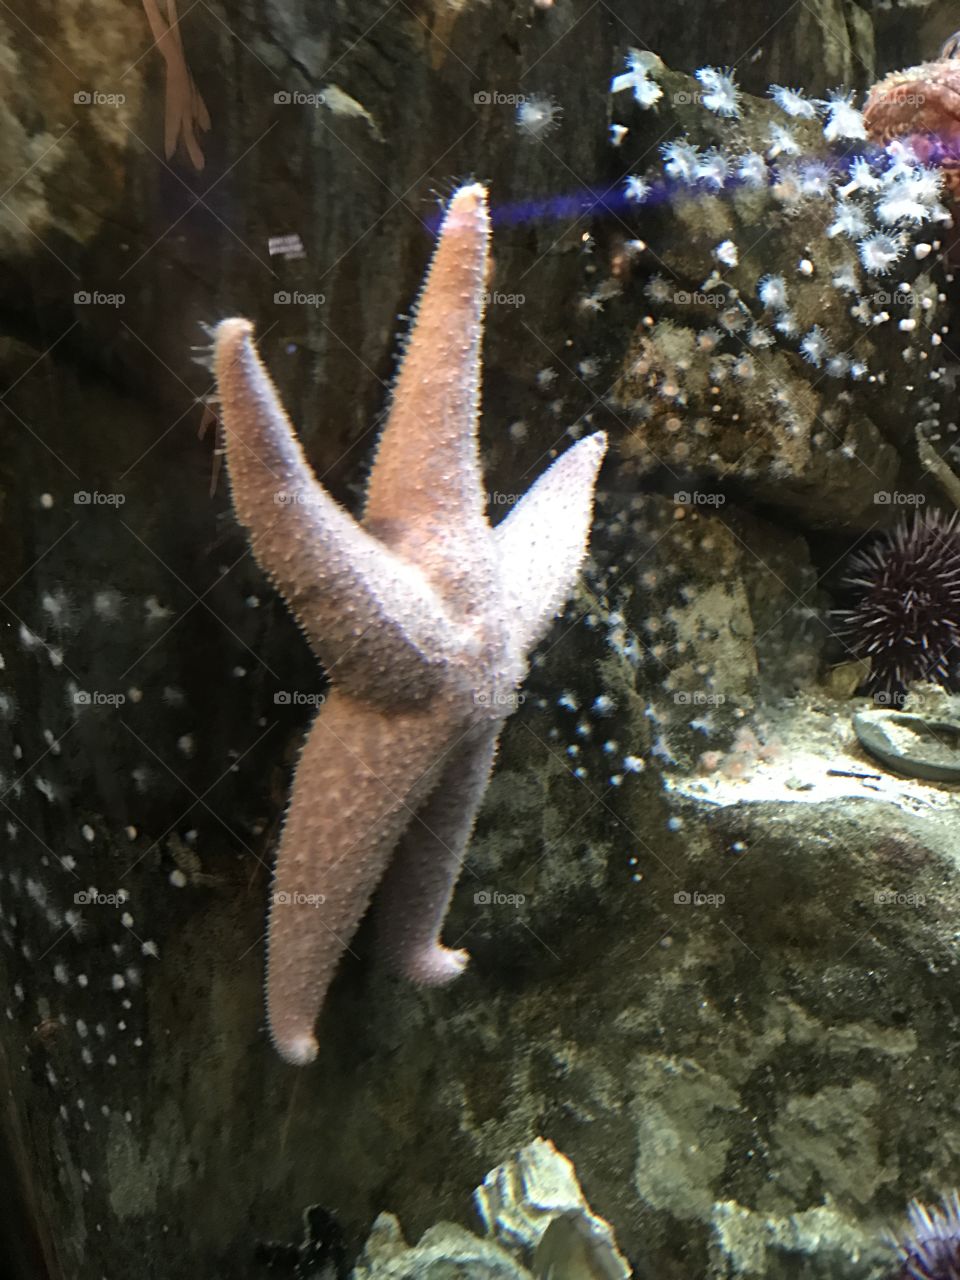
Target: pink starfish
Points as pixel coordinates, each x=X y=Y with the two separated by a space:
x=184 y=109
x=423 y=617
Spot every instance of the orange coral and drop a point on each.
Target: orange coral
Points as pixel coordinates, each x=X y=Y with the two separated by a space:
x=922 y=105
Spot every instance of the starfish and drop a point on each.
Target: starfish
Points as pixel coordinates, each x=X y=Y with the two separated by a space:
x=184 y=109
x=423 y=616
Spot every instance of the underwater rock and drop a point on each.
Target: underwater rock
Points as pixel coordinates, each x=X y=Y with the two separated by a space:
x=749 y=1244
x=533 y=1206
x=777 y=956
x=792 y=278
x=538 y=1227
x=319 y=1255
x=702 y=610
x=911 y=744
x=748 y=418
x=445 y=1252
x=769 y=893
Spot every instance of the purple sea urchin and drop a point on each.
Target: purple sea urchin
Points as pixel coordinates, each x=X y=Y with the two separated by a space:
x=906 y=616
x=929 y=1248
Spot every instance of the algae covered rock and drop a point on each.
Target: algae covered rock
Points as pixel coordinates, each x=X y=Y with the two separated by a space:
x=789 y=278
x=533 y=1212
x=445 y=1252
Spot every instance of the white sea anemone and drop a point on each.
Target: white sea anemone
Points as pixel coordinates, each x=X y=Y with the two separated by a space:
x=713 y=168
x=772 y=292
x=782 y=142
x=538 y=115
x=880 y=252
x=636 y=188
x=752 y=170
x=848 y=220
x=640 y=65
x=722 y=94
x=793 y=102
x=815 y=346
x=681 y=160
x=843 y=120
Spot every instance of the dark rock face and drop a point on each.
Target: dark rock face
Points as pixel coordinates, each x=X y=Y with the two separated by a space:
x=713 y=944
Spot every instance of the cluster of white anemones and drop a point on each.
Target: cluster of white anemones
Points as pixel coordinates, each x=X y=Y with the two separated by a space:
x=879 y=199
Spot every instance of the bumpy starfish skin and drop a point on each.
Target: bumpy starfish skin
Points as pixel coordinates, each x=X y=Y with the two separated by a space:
x=423 y=617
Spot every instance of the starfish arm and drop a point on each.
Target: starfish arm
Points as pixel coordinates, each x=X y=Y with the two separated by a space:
x=200 y=113
x=166 y=41
x=181 y=109
x=543 y=540
x=360 y=778
x=363 y=609
x=417 y=888
x=427 y=470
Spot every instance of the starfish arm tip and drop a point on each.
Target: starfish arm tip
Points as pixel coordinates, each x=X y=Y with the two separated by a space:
x=543 y=541
x=298 y=1050
x=435 y=966
x=230 y=332
x=467 y=201
x=592 y=448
